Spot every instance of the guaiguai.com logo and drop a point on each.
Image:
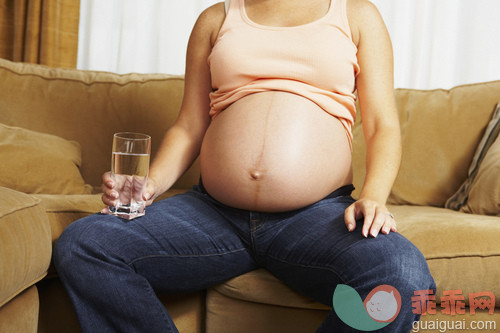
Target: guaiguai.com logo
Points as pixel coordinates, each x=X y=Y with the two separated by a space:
x=380 y=308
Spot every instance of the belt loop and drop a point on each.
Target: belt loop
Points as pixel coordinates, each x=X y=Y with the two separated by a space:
x=254 y=217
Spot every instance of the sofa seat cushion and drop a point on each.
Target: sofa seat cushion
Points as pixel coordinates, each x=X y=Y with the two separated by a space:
x=21 y=313
x=260 y=286
x=25 y=248
x=62 y=210
x=226 y=314
x=461 y=249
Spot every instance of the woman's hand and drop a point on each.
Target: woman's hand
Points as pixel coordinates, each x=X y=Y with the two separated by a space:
x=377 y=218
x=110 y=195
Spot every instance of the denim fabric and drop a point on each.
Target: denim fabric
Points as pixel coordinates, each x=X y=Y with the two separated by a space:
x=113 y=268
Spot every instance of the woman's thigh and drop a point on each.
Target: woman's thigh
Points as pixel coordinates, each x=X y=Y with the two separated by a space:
x=313 y=251
x=181 y=244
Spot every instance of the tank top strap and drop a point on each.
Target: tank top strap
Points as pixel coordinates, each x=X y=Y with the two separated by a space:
x=233 y=12
x=338 y=15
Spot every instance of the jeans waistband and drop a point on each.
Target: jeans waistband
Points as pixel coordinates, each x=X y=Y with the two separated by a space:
x=340 y=192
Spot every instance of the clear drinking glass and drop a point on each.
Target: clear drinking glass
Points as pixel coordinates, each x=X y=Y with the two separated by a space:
x=129 y=169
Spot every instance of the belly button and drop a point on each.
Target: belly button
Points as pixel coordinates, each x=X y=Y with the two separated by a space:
x=255 y=175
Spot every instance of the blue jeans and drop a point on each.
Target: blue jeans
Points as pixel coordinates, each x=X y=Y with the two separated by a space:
x=114 y=268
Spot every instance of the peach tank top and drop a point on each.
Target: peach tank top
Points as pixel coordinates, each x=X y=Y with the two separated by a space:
x=316 y=60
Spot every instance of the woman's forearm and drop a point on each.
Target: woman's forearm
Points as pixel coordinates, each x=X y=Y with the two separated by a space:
x=383 y=158
x=176 y=154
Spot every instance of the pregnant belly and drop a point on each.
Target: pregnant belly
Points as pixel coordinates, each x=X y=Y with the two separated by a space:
x=274 y=151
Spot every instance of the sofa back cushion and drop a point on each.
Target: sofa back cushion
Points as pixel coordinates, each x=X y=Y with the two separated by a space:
x=33 y=162
x=88 y=107
x=440 y=132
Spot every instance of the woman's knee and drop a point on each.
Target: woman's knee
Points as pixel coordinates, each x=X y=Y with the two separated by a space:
x=76 y=240
x=395 y=261
x=408 y=267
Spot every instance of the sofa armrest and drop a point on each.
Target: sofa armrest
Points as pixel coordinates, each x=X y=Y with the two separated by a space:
x=25 y=243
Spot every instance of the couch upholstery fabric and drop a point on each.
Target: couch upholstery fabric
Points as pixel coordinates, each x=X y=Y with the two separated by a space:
x=21 y=314
x=25 y=249
x=47 y=163
x=88 y=107
x=441 y=130
x=484 y=196
x=25 y=252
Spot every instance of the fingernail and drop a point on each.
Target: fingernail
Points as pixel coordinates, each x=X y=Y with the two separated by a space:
x=374 y=234
x=385 y=230
x=350 y=227
x=147 y=196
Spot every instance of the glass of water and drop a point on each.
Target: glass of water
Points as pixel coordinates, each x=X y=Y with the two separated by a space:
x=129 y=169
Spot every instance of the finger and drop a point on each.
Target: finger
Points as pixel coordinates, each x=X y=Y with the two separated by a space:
x=377 y=223
x=389 y=224
x=149 y=192
x=109 y=198
x=148 y=198
x=393 y=224
x=107 y=180
x=350 y=217
x=386 y=228
x=369 y=215
x=106 y=188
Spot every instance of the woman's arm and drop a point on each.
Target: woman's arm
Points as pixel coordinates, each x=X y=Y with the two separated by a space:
x=375 y=85
x=181 y=143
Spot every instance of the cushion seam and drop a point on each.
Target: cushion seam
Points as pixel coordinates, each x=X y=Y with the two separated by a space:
x=60 y=78
x=18 y=209
x=463 y=256
x=23 y=288
x=450 y=89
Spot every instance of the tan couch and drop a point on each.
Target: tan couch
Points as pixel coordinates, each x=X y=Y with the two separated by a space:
x=55 y=140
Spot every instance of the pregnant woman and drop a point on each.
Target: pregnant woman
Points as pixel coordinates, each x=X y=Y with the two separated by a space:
x=268 y=106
